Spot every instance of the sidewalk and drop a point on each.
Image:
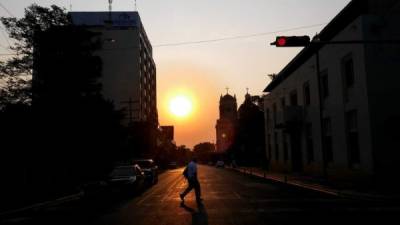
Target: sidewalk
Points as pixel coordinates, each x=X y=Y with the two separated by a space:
x=41 y=205
x=315 y=184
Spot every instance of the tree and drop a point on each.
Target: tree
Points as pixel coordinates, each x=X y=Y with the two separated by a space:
x=17 y=71
x=66 y=96
x=53 y=101
x=248 y=147
x=205 y=151
x=205 y=147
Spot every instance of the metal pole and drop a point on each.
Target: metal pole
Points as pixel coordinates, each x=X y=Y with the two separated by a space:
x=355 y=42
x=109 y=9
x=324 y=166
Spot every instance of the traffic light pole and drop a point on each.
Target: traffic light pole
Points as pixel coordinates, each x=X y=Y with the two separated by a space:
x=355 y=42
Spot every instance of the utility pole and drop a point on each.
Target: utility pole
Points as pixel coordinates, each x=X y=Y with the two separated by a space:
x=321 y=114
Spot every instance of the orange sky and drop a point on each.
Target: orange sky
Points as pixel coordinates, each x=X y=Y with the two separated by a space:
x=193 y=82
x=205 y=69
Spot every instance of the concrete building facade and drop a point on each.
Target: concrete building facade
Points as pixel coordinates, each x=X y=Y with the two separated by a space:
x=129 y=71
x=336 y=114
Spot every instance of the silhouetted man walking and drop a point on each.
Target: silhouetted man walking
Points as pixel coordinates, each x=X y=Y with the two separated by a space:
x=191 y=175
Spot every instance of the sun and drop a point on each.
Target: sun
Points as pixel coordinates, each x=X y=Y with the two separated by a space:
x=180 y=106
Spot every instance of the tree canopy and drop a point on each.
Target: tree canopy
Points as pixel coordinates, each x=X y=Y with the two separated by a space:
x=17 y=71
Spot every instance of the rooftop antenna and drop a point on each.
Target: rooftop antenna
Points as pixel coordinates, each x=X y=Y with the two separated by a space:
x=247 y=90
x=135 y=6
x=109 y=9
x=70 y=6
x=227 y=90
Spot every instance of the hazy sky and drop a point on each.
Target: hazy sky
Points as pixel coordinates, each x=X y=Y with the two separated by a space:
x=205 y=70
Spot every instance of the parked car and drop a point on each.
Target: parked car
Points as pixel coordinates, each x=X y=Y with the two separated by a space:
x=129 y=178
x=94 y=188
x=149 y=168
x=220 y=164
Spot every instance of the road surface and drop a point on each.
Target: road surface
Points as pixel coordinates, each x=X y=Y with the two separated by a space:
x=229 y=198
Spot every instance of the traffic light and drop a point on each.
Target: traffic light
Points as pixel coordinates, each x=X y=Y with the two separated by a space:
x=292 y=41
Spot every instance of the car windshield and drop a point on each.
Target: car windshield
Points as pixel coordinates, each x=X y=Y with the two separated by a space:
x=122 y=172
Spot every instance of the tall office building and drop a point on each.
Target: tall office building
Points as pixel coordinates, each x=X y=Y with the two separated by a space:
x=129 y=71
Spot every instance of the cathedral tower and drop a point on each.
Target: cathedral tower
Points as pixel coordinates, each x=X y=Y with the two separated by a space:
x=226 y=123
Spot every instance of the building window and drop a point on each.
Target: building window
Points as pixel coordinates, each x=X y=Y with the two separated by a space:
x=348 y=71
x=285 y=148
x=324 y=84
x=327 y=139
x=293 y=98
x=307 y=96
x=309 y=143
x=352 y=137
x=276 y=146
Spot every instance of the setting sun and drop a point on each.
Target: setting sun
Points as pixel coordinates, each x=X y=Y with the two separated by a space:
x=180 y=106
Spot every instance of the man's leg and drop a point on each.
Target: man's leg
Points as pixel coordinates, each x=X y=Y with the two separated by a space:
x=187 y=190
x=197 y=190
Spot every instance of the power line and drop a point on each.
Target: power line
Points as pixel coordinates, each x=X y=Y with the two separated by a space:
x=5 y=37
x=238 y=36
x=2 y=30
x=5 y=9
x=219 y=39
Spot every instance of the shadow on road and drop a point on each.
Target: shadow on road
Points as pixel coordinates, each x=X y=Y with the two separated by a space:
x=199 y=216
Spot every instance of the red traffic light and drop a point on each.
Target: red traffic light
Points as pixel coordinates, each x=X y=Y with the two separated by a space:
x=292 y=41
x=281 y=41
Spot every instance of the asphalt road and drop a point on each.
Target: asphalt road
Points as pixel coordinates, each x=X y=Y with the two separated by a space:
x=229 y=198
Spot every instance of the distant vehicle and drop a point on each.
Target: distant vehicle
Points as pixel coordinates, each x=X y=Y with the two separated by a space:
x=220 y=164
x=172 y=165
x=233 y=164
x=149 y=168
x=130 y=178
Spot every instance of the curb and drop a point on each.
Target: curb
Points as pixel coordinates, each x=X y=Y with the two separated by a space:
x=307 y=187
x=46 y=204
x=336 y=193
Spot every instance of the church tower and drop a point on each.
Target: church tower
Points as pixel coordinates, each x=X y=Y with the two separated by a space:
x=226 y=123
